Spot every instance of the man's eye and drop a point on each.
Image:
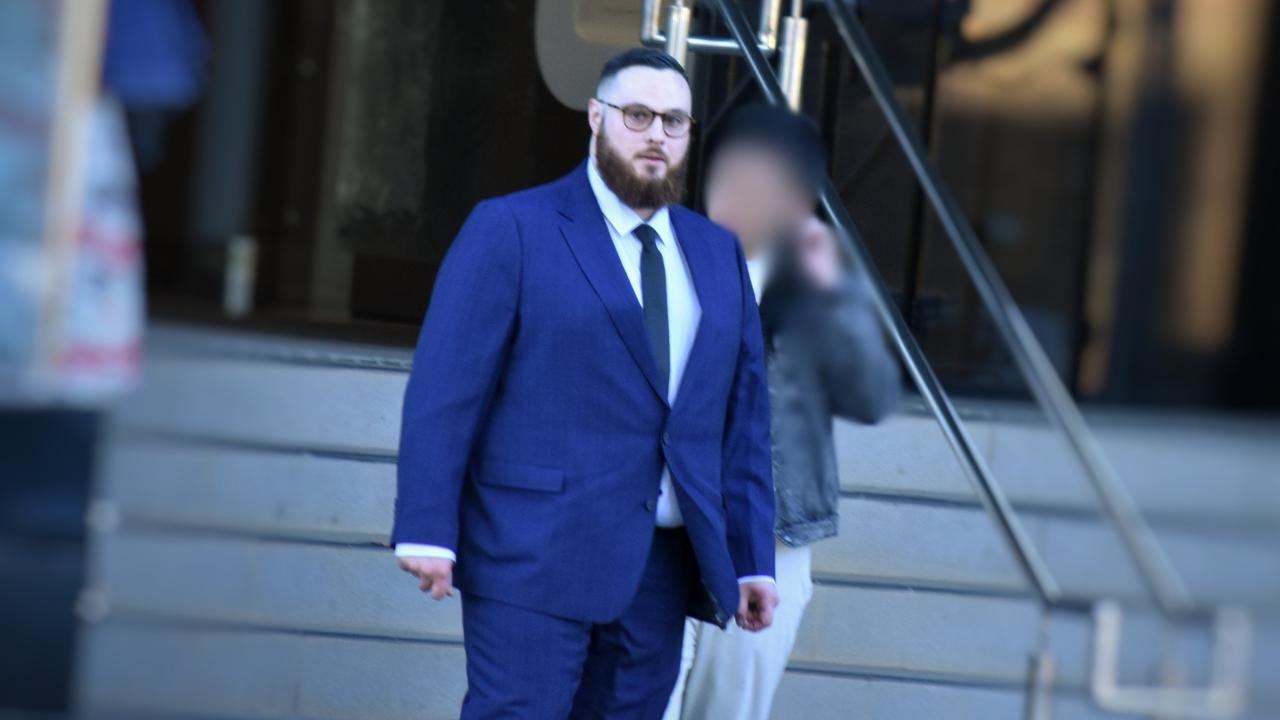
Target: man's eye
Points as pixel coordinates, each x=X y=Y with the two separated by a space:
x=675 y=121
x=637 y=116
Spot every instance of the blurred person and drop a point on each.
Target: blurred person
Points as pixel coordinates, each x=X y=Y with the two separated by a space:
x=826 y=357
x=51 y=411
x=585 y=429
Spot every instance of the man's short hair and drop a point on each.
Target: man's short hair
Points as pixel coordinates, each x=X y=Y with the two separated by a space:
x=791 y=136
x=639 y=57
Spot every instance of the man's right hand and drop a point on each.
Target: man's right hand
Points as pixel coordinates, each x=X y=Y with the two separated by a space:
x=819 y=253
x=435 y=575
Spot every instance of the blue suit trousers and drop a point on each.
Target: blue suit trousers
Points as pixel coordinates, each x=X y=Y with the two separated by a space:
x=527 y=665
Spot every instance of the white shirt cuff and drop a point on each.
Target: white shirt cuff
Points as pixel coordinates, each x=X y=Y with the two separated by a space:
x=757 y=578
x=431 y=551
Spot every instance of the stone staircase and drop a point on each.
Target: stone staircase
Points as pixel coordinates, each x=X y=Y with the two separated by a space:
x=240 y=568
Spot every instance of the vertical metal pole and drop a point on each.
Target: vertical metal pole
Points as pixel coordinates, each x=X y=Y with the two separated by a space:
x=795 y=34
x=766 y=35
x=650 y=21
x=770 y=11
x=1044 y=671
x=915 y=237
x=678 y=19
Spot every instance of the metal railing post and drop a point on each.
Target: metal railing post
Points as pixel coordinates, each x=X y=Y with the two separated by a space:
x=795 y=34
x=678 y=18
x=766 y=39
x=1042 y=675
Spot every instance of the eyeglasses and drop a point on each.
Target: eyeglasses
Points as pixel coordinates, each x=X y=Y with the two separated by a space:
x=639 y=118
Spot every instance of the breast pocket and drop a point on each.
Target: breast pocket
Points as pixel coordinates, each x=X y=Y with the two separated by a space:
x=520 y=476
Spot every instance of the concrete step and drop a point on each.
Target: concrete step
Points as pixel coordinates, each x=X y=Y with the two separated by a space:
x=1213 y=471
x=246 y=500
x=358 y=591
x=1216 y=472
x=906 y=540
x=139 y=671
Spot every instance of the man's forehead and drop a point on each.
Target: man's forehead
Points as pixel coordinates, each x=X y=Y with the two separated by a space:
x=659 y=89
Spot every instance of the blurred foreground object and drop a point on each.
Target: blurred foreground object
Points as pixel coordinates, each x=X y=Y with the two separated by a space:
x=71 y=281
x=100 y=345
x=238 y=280
x=71 y=298
x=49 y=63
x=50 y=115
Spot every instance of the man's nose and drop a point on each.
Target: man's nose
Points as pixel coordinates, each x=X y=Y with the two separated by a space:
x=657 y=133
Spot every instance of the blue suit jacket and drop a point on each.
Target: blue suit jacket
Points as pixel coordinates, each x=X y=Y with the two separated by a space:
x=534 y=426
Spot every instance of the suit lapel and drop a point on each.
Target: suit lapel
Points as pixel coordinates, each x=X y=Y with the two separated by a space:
x=702 y=271
x=584 y=230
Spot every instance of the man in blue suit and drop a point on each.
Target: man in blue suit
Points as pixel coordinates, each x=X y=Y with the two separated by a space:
x=585 y=442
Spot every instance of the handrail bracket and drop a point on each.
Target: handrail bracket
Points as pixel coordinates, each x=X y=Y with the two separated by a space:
x=1225 y=696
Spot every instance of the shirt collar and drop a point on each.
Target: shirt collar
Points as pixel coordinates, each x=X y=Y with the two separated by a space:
x=759 y=270
x=622 y=219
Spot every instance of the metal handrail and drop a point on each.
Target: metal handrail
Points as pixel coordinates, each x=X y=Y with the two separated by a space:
x=766 y=40
x=972 y=462
x=1225 y=696
x=1157 y=573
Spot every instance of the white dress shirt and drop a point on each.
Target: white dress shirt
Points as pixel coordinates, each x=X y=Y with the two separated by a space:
x=683 y=309
x=759 y=269
x=683 y=314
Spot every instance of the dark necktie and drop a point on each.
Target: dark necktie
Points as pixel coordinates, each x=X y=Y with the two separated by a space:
x=653 y=288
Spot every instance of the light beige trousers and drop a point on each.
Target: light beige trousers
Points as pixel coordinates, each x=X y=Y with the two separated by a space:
x=732 y=674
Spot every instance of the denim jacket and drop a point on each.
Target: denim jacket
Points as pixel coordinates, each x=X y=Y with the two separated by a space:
x=825 y=356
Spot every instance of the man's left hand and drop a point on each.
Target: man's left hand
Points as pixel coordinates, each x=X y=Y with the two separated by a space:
x=756 y=601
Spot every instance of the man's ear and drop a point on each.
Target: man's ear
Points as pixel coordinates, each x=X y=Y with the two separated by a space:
x=595 y=115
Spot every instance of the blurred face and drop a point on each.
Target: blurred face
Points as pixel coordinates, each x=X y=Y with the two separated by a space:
x=643 y=166
x=753 y=192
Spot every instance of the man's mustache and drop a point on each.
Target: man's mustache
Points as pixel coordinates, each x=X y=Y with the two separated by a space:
x=651 y=155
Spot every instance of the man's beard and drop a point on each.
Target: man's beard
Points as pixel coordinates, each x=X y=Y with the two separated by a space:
x=632 y=189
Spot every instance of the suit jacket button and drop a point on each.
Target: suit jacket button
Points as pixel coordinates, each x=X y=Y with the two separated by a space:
x=650 y=504
x=666 y=438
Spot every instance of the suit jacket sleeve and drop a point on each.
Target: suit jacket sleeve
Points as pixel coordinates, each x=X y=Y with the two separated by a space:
x=747 y=463
x=459 y=359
